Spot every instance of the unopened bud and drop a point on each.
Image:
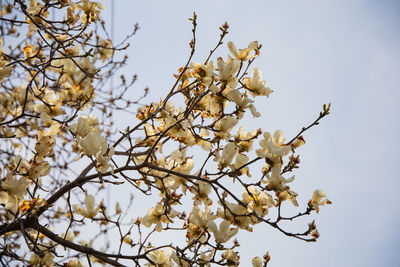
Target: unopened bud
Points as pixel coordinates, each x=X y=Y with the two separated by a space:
x=298 y=142
x=267 y=257
x=128 y=240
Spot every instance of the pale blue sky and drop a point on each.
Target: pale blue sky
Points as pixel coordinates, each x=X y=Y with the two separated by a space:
x=314 y=52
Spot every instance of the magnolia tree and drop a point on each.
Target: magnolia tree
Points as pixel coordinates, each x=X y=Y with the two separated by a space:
x=60 y=152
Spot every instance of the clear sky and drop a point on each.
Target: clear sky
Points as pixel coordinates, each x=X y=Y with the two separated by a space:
x=343 y=52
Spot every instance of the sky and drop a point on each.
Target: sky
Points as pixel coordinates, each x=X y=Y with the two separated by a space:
x=346 y=53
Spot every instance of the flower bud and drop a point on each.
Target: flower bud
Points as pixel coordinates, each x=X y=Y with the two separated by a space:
x=298 y=142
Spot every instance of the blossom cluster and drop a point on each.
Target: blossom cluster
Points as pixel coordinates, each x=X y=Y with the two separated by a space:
x=219 y=96
x=57 y=115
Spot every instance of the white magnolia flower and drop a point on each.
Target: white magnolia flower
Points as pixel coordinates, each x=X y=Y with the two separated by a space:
x=206 y=257
x=273 y=147
x=160 y=257
x=106 y=49
x=242 y=101
x=256 y=85
x=319 y=199
x=206 y=145
x=227 y=71
x=38 y=167
x=14 y=191
x=91 y=10
x=243 y=54
x=256 y=201
x=89 y=211
x=50 y=106
x=19 y=165
x=240 y=160
x=103 y=159
x=223 y=233
x=231 y=257
x=92 y=143
x=81 y=127
x=174 y=182
x=289 y=195
x=199 y=217
x=215 y=105
x=224 y=126
x=254 y=112
x=228 y=153
x=178 y=156
x=198 y=221
x=46 y=141
x=151 y=132
x=275 y=179
x=156 y=215
x=205 y=73
x=201 y=192
x=246 y=138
